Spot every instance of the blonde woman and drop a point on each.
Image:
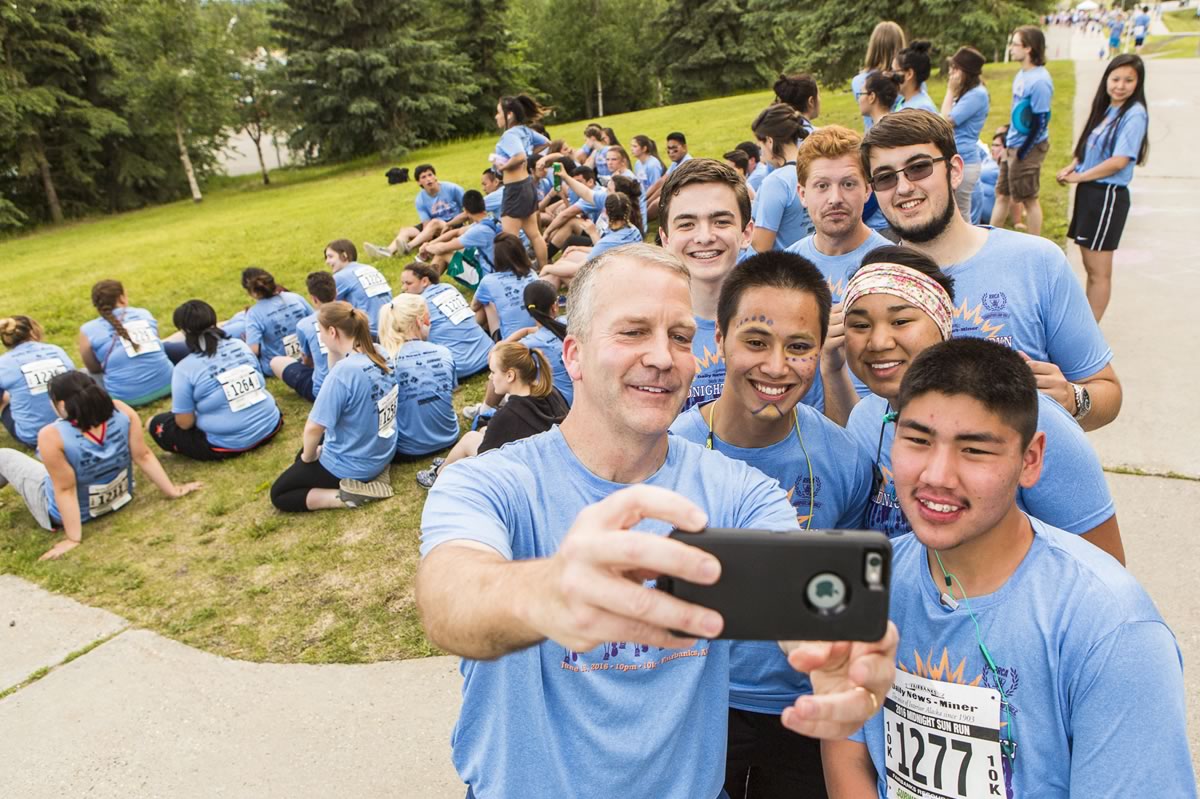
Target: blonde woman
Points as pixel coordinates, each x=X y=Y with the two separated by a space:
x=424 y=374
x=533 y=405
x=886 y=42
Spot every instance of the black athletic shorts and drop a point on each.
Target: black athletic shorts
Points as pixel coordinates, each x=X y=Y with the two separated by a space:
x=765 y=760
x=193 y=443
x=520 y=199
x=1099 y=216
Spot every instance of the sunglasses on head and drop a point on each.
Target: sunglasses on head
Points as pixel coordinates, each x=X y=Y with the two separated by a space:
x=918 y=170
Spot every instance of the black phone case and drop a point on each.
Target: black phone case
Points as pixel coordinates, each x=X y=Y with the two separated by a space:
x=764 y=595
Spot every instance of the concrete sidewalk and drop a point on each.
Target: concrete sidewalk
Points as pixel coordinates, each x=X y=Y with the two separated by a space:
x=135 y=714
x=141 y=715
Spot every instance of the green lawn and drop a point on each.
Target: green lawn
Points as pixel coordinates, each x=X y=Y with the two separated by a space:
x=1182 y=21
x=1172 y=47
x=221 y=569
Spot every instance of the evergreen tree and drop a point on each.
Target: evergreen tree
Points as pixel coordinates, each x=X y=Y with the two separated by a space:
x=367 y=76
x=174 y=60
x=48 y=126
x=709 y=50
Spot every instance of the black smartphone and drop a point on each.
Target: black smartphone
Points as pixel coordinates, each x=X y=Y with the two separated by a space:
x=796 y=585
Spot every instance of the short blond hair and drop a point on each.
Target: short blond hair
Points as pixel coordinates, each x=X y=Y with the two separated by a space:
x=581 y=302
x=831 y=141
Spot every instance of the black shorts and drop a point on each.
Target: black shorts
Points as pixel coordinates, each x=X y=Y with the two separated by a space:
x=193 y=443
x=520 y=199
x=1099 y=216
x=299 y=378
x=766 y=759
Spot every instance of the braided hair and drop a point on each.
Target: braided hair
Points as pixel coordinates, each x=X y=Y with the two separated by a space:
x=105 y=296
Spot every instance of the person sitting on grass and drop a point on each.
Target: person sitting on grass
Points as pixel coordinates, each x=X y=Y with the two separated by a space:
x=524 y=376
x=361 y=285
x=87 y=456
x=499 y=298
x=621 y=230
x=424 y=374
x=24 y=372
x=439 y=206
x=541 y=300
x=648 y=167
x=271 y=320
x=306 y=374
x=350 y=436
x=451 y=322
x=219 y=407
x=122 y=349
x=475 y=240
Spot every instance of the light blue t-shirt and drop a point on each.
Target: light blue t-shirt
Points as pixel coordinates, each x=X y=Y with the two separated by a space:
x=425 y=417
x=755 y=178
x=453 y=325
x=1115 y=28
x=921 y=101
x=969 y=113
x=551 y=347
x=542 y=187
x=1032 y=91
x=615 y=238
x=357 y=407
x=1071 y=494
x=364 y=287
x=1092 y=674
x=235 y=326
x=482 y=236
x=507 y=292
x=517 y=140
x=837 y=269
x=546 y=721
x=271 y=324
x=227 y=394
x=445 y=205
x=600 y=164
x=760 y=679
x=1102 y=145
x=25 y=373
x=312 y=348
x=130 y=372
x=493 y=201
x=671 y=166
x=1018 y=290
x=710 y=364
x=1141 y=24
x=648 y=172
x=777 y=208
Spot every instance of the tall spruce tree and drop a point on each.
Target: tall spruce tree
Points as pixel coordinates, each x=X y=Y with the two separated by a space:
x=708 y=49
x=49 y=127
x=367 y=76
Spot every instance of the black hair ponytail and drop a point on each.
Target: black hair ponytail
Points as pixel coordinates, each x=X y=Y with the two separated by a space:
x=198 y=321
x=87 y=405
x=540 y=300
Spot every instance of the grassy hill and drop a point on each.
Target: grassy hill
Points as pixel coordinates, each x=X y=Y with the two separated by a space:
x=221 y=569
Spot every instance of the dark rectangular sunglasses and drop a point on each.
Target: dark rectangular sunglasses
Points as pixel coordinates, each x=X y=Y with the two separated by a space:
x=918 y=170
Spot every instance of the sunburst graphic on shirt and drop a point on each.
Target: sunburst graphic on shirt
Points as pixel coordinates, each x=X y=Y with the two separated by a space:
x=940 y=671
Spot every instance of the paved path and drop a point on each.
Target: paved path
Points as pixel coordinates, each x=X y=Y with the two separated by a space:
x=139 y=715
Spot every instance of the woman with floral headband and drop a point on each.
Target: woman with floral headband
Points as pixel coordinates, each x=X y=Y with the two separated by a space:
x=898 y=304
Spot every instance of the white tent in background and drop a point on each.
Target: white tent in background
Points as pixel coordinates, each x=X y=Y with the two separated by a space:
x=1087 y=5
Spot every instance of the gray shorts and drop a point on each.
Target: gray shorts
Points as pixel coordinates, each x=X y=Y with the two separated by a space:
x=27 y=477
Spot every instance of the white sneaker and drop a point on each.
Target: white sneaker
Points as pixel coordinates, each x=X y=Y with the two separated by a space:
x=376 y=250
x=471 y=411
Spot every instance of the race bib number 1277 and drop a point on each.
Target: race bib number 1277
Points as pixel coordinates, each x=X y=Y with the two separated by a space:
x=942 y=740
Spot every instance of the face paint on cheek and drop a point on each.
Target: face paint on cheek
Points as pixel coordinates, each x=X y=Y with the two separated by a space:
x=770 y=406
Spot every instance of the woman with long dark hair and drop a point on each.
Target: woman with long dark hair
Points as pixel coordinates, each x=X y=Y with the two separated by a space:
x=649 y=167
x=541 y=299
x=1112 y=141
x=87 y=456
x=965 y=107
x=498 y=295
x=271 y=320
x=220 y=406
x=123 y=347
x=800 y=91
x=780 y=220
x=913 y=65
x=514 y=151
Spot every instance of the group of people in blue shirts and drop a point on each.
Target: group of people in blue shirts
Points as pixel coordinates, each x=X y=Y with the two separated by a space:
x=784 y=251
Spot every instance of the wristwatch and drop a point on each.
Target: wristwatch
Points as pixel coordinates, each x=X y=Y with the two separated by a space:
x=1083 y=401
